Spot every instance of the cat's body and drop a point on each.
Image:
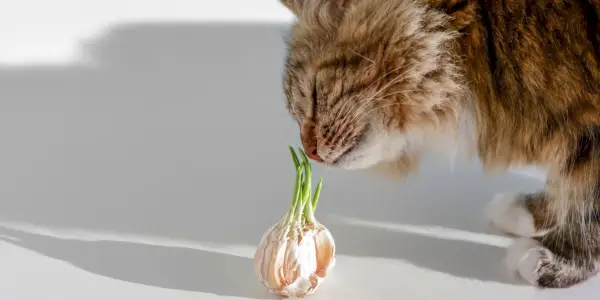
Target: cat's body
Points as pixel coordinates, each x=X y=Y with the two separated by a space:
x=371 y=82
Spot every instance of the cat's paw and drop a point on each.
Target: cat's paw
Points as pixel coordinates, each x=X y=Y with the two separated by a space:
x=509 y=214
x=525 y=258
x=541 y=268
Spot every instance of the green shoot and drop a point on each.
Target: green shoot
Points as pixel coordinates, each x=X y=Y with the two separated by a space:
x=296 y=194
x=315 y=200
x=308 y=175
x=294 y=157
x=303 y=207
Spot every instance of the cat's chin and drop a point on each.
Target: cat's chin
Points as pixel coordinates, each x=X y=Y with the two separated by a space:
x=363 y=158
x=375 y=150
x=354 y=165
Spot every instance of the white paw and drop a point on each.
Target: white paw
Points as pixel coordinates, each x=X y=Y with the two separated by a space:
x=509 y=214
x=524 y=258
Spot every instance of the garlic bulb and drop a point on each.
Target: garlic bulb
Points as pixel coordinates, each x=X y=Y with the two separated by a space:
x=297 y=253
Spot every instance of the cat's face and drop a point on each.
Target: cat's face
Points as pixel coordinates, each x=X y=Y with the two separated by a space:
x=342 y=103
x=363 y=77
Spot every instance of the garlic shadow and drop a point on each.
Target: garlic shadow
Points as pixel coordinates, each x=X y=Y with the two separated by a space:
x=165 y=267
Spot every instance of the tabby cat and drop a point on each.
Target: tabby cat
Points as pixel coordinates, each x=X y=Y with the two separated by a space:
x=372 y=83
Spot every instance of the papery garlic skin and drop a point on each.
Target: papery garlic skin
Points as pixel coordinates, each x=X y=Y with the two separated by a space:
x=294 y=261
x=296 y=254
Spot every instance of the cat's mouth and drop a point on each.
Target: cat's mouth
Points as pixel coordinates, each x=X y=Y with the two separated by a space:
x=353 y=151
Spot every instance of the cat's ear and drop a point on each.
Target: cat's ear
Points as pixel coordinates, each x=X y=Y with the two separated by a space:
x=312 y=7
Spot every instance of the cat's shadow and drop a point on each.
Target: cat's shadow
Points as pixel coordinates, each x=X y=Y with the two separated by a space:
x=176 y=268
x=180 y=130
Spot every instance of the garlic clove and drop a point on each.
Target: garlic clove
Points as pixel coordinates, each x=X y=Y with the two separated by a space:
x=290 y=265
x=269 y=256
x=306 y=256
x=259 y=254
x=325 y=251
x=301 y=288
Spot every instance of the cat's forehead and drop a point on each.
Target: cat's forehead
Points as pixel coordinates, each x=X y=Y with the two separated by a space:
x=307 y=61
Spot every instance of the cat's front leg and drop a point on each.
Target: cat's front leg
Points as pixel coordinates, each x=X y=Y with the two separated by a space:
x=523 y=215
x=560 y=242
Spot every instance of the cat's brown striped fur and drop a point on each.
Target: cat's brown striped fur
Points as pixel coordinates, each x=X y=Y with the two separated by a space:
x=372 y=82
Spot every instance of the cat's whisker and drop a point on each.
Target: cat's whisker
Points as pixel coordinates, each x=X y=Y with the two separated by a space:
x=346 y=121
x=366 y=58
x=350 y=100
x=369 y=100
x=355 y=103
x=362 y=119
x=397 y=79
x=379 y=79
x=365 y=104
x=382 y=98
x=364 y=114
x=403 y=91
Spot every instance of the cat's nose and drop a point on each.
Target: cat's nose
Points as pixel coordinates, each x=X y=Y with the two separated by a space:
x=311 y=152
x=309 y=141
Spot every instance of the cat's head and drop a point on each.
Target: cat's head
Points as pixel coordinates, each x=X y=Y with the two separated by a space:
x=364 y=79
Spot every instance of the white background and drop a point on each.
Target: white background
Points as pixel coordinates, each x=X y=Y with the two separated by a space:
x=139 y=137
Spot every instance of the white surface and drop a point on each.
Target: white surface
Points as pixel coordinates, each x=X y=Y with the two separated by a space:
x=52 y=32
x=135 y=177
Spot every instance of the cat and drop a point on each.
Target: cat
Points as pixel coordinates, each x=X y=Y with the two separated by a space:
x=371 y=83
